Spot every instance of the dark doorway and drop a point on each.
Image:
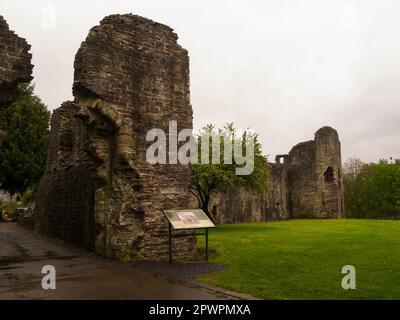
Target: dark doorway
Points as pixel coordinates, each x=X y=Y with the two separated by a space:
x=329 y=175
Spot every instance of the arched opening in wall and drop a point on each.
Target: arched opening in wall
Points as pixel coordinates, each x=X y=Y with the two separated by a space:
x=329 y=175
x=280 y=159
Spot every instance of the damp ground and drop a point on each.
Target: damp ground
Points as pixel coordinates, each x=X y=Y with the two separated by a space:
x=83 y=275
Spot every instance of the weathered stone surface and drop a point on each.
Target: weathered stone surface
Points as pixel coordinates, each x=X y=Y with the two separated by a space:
x=15 y=67
x=131 y=76
x=65 y=205
x=315 y=177
x=306 y=183
x=279 y=194
x=240 y=205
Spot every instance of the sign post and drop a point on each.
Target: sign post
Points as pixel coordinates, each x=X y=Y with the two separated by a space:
x=170 y=242
x=179 y=220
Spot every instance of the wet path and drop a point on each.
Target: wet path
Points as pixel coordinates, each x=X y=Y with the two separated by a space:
x=80 y=275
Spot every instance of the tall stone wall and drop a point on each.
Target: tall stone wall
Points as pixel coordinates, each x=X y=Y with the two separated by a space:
x=65 y=206
x=131 y=76
x=329 y=172
x=15 y=67
x=279 y=201
x=302 y=180
x=315 y=177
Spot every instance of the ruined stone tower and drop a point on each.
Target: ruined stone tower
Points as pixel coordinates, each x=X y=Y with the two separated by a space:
x=99 y=191
x=15 y=67
x=314 y=170
x=306 y=183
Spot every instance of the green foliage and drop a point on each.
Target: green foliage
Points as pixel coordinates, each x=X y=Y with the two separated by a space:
x=28 y=198
x=23 y=156
x=373 y=190
x=8 y=207
x=209 y=179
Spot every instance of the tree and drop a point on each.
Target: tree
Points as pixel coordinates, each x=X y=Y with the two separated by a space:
x=23 y=155
x=211 y=178
x=372 y=190
x=351 y=180
x=353 y=167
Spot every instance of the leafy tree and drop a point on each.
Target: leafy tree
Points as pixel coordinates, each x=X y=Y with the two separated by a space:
x=209 y=179
x=23 y=155
x=373 y=190
x=351 y=179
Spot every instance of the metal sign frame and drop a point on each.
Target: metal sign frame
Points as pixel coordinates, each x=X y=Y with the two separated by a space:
x=171 y=235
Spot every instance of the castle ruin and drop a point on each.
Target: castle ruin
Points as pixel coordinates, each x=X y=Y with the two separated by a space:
x=306 y=183
x=99 y=191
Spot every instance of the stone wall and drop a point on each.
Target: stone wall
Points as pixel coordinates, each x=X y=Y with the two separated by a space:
x=315 y=177
x=279 y=201
x=131 y=76
x=241 y=205
x=15 y=67
x=65 y=206
x=306 y=183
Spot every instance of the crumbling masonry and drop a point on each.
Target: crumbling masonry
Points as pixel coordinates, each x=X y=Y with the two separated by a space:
x=15 y=68
x=98 y=191
x=306 y=183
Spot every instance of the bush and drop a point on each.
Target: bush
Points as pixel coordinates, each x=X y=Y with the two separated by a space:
x=28 y=198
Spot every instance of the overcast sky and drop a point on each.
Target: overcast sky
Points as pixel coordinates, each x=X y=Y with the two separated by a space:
x=283 y=68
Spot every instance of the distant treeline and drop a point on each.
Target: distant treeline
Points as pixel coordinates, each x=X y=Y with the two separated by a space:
x=372 y=190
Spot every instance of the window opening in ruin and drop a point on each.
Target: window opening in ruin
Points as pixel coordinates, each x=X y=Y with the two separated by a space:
x=280 y=159
x=329 y=175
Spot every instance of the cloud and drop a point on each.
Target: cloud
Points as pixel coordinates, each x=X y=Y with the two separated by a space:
x=283 y=68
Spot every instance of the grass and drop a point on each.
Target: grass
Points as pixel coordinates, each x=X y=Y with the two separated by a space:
x=303 y=259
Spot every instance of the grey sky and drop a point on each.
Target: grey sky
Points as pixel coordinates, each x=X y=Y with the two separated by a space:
x=283 y=68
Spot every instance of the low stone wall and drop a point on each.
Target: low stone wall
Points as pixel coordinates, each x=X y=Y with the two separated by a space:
x=240 y=206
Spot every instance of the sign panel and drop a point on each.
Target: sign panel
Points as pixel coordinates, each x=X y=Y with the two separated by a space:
x=188 y=219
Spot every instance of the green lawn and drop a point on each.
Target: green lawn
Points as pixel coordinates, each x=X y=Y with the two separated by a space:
x=303 y=259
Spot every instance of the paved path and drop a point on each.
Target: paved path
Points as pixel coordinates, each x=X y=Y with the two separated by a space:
x=80 y=275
